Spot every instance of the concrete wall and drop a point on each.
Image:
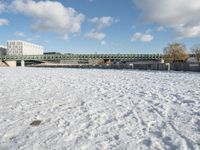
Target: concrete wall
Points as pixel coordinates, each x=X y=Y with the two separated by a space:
x=69 y=61
x=11 y=63
x=2 y=64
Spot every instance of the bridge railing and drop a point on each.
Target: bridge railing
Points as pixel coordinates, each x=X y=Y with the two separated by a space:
x=83 y=56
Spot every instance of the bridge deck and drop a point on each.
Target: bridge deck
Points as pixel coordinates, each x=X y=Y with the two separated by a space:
x=83 y=56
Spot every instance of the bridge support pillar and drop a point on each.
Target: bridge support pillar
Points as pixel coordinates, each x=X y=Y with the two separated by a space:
x=22 y=63
x=168 y=66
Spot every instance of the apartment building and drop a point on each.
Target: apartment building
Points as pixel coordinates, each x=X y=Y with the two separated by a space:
x=18 y=47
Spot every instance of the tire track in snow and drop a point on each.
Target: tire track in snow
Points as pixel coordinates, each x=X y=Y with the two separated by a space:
x=187 y=143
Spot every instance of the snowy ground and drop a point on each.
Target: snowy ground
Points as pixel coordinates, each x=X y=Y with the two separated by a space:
x=98 y=109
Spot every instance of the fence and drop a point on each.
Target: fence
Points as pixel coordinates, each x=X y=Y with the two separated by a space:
x=185 y=67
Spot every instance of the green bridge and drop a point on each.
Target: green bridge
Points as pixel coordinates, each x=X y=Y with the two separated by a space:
x=120 y=57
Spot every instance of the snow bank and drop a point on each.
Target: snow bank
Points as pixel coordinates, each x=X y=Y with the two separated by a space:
x=98 y=109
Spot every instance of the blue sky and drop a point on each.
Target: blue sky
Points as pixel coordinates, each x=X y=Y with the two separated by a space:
x=101 y=26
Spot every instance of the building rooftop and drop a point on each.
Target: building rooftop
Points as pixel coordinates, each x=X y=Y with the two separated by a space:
x=24 y=42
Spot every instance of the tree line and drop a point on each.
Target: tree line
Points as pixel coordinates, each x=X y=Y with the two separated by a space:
x=176 y=52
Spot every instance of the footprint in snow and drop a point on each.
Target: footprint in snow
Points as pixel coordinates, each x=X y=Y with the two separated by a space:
x=35 y=123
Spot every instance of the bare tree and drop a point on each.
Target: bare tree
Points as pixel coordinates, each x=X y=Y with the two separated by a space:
x=196 y=52
x=175 y=52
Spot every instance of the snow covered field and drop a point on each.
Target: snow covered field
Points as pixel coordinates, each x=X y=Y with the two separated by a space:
x=98 y=109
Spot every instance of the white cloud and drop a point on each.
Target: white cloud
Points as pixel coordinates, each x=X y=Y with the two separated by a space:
x=18 y=33
x=46 y=41
x=103 y=22
x=133 y=27
x=50 y=16
x=103 y=43
x=173 y=14
x=99 y=36
x=148 y=31
x=142 y=37
x=189 y=32
x=100 y=24
x=161 y=28
x=3 y=22
x=32 y=38
x=2 y=7
x=29 y=39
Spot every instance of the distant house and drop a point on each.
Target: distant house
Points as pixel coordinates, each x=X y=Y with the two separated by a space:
x=192 y=59
x=3 y=50
x=52 y=53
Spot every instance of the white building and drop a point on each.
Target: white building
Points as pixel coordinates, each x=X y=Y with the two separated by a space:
x=17 y=47
x=3 y=50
